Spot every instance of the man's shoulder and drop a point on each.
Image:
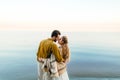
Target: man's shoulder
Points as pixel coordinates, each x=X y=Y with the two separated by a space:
x=54 y=44
x=47 y=41
x=43 y=40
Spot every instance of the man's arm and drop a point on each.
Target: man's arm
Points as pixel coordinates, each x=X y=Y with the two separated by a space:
x=56 y=52
x=38 y=52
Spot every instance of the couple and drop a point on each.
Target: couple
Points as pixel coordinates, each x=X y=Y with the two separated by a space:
x=52 y=58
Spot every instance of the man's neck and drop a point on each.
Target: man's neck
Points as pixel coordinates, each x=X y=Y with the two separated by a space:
x=53 y=38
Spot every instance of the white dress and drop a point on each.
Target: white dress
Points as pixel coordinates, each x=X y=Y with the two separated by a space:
x=64 y=76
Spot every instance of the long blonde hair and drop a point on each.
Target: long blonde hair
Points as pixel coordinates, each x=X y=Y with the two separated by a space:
x=65 y=48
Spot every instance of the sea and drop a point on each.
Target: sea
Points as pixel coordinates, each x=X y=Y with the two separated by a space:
x=94 y=55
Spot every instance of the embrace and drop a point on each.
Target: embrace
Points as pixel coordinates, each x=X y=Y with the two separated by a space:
x=52 y=57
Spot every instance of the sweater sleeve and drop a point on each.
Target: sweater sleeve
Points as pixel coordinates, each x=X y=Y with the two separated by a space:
x=56 y=52
x=38 y=54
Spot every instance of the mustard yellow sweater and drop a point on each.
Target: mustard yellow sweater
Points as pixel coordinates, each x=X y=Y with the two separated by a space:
x=47 y=47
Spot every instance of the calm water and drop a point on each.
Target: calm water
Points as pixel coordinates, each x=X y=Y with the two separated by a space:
x=94 y=55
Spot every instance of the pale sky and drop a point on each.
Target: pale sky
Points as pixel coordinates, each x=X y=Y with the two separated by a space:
x=65 y=15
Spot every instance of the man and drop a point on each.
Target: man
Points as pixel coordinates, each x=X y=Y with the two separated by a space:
x=46 y=48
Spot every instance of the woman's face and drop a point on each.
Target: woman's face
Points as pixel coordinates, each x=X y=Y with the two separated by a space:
x=60 y=41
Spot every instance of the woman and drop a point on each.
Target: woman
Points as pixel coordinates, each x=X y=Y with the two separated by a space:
x=64 y=49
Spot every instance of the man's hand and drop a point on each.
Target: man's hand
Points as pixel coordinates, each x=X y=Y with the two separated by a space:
x=40 y=59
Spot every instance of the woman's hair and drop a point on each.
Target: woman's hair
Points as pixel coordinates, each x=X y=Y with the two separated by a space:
x=64 y=39
x=65 y=48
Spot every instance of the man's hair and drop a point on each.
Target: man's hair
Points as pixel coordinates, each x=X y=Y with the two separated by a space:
x=55 y=33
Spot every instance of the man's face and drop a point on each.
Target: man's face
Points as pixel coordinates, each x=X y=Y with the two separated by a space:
x=57 y=38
